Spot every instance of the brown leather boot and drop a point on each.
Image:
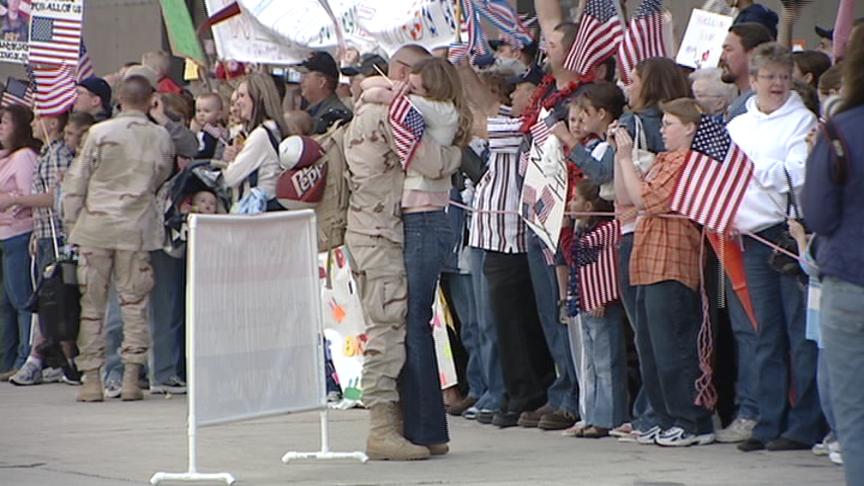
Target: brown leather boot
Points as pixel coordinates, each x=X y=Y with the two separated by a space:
x=384 y=443
x=130 y=391
x=92 y=389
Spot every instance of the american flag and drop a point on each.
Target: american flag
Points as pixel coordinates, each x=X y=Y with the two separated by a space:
x=478 y=44
x=55 y=88
x=596 y=257
x=54 y=41
x=85 y=64
x=408 y=127
x=456 y=52
x=597 y=38
x=714 y=178
x=543 y=206
x=528 y=194
x=17 y=92
x=643 y=38
x=501 y=15
x=540 y=131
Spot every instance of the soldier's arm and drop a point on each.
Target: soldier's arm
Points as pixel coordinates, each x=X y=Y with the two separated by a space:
x=76 y=180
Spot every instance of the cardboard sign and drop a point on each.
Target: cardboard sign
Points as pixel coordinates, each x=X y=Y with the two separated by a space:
x=703 y=40
x=181 y=31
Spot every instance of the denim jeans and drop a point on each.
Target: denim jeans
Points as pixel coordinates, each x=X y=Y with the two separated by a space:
x=462 y=295
x=168 y=317
x=745 y=356
x=489 y=353
x=427 y=240
x=823 y=383
x=603 y=369
x=113 y=368
x=17 y=289
x=668 y=318
x=643 y=415
x=842 y=325
x=563 y=394
x=781 y=348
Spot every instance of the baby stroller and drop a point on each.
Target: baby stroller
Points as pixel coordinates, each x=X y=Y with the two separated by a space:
x=198 y=176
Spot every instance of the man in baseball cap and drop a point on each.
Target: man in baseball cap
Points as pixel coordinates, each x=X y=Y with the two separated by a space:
x=94 y=97
x=370 y=65
x=320 y=77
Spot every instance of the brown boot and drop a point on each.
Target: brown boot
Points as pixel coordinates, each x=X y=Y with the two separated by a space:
x=130 y=391
x=438 y=449
x=384 y=443
x=92 y=389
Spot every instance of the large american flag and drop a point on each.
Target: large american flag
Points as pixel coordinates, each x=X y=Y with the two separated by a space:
x=596 y=257
x=17 y=92
x=643 y=38
x=55 y=88
x=408 y=127
x=85 y=64
x=714 y=179
x=501 y=15
x=478 y=43
x=597 y=38
x=54 y=40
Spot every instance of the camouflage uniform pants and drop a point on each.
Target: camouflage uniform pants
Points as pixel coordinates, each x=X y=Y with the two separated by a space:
x=379 y=270
x=133 y=277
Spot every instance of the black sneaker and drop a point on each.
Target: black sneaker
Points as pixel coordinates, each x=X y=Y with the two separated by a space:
x=784 y=444
x=506 y=419
x=486 y=416
x=71 y=375
x=751 y=445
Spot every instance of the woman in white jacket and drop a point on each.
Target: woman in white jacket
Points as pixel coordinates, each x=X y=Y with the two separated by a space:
x=773 y=134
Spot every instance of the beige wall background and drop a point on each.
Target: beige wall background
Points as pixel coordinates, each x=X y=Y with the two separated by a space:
x=117 y=31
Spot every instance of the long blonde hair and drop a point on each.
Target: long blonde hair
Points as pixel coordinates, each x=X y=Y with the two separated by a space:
x=266 y=104
x=441 y=82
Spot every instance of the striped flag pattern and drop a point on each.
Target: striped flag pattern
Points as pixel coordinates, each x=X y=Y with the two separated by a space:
x=543 y=206
x=17 y=92
x=598 y=37
x=501 y=15
x=85 y=64
x=408 y=127
x=715 y=176
x=643 y=38
x=55 y=88
x=596 y=254
x=478 y=44
x=456 y=52
x=54 y=40
x=540 y=132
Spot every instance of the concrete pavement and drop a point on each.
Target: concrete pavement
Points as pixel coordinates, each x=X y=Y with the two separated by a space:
x=46 y=438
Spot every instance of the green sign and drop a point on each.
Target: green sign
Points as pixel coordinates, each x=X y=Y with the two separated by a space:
x=181 y=31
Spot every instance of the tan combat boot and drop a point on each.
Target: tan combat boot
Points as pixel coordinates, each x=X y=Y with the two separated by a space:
x=92 y=389
x=130 y=391
x=384 y=443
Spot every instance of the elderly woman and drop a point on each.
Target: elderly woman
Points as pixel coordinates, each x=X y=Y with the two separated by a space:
x=664 y=268
x=773 y=134
x=713 y=95
x=253 y=158
x=834 y=214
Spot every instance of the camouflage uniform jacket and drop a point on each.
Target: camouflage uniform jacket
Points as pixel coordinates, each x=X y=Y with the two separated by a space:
x=109 y=192
x=376 y=178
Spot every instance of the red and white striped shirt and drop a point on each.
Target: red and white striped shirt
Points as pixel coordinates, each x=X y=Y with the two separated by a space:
x=499 y=190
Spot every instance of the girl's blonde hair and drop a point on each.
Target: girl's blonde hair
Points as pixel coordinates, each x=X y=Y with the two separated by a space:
x=441 y=82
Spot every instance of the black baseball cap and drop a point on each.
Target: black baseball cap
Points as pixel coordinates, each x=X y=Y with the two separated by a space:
x=829 y=33
x=99 y=87
x=320 y=62
x=368 y=63
x=530 y=48
x=533 y=75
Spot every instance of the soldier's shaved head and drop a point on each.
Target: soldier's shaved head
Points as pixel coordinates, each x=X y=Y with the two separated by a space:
x=135 y=93
x=403 y=59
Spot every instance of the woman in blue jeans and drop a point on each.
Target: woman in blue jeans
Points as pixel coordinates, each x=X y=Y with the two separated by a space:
x=833 y=200
x=17 y=160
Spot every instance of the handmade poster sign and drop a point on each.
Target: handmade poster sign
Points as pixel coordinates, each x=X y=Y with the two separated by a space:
x=703 y=39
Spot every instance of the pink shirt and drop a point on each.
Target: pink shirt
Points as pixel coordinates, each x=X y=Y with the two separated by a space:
x=16 y=177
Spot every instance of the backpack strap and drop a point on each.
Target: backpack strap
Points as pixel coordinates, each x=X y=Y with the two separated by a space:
x=839 y=152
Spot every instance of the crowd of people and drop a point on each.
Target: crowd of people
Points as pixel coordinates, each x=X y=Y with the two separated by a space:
x=531 y=356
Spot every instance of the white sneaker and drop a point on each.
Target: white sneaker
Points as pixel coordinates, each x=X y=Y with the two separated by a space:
x=823 y=448
x=649 y=437
x=112 y=389
x=738 y=431
x=52 y=375
x=29 y=374
x=834 y=454
x=174 y=385
x=678 y=437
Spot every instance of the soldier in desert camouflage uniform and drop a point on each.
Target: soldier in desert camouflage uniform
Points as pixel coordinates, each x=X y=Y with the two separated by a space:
x=109 y=204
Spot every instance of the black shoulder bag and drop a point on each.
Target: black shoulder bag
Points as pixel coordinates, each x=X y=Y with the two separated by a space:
x=779 y=261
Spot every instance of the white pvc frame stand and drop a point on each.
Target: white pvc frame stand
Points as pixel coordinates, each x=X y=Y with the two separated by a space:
x=325 y=452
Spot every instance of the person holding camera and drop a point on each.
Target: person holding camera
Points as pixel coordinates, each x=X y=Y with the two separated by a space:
x=773 y=134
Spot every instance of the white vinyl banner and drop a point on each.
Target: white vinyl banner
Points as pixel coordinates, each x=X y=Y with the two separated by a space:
x=241 y=39
x=364 y=24
x=254 y=316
